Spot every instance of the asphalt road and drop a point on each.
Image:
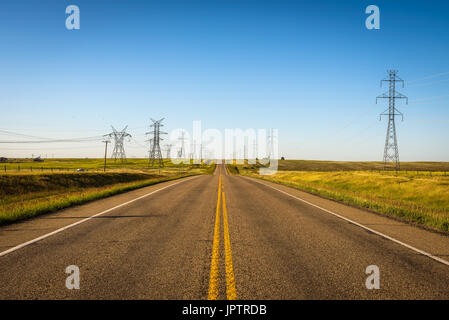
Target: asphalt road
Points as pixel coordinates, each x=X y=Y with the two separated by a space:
x=261 y=243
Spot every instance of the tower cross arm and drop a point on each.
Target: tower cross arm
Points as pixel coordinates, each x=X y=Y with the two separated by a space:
x=382 y=96
x=399 y=95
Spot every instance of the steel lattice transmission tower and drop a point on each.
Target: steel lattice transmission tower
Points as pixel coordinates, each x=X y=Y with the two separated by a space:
x=391 y=151
x=155 y=152
x=168 y=149
x=181 y=151
x=119 y=139
x=150 y=141
x=270 y=144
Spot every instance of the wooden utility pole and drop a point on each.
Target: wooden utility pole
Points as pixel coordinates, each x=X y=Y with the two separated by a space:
x=105 y=153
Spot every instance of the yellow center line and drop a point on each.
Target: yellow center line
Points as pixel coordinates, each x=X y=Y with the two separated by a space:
x=213 y=282
x=231 y=293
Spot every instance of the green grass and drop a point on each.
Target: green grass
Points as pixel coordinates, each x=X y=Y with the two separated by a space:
x=419 y=198
x=25 y=195
x=67 y=165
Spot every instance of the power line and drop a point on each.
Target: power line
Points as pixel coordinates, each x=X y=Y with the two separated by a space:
x=430 y=98
x=138 y=143
x=45 y=140
x=22 y=135
x=51 y=141
x=436 y=75
x=429 y=83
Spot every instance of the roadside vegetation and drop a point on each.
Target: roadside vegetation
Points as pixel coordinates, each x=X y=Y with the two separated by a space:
x=414 y=195
x=71 y=165
x=315 y=165
x=28 y=194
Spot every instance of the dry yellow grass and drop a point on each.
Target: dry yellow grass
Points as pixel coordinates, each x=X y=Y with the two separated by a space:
x=421 y=199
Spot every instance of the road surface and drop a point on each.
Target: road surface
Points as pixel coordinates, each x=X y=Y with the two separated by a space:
x=220 y=236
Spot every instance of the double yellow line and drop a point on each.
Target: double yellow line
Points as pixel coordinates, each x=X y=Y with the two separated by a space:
x=231 y=293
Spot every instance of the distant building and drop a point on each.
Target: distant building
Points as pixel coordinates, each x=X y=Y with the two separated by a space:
x=38 y=159
x=3 y=159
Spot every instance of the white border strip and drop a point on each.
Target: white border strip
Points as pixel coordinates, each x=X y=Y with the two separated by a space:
x=20 y=246
x=358 y=224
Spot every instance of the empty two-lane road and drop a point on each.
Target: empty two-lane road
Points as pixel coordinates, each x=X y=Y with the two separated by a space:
x=217 y=237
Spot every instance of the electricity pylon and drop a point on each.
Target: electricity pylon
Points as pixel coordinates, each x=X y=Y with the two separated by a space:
x=181 y=152
x=168 y=148
x=270 y=144
x=155 y=152
x=255 y=149
x=119 y=138
x=391 y=151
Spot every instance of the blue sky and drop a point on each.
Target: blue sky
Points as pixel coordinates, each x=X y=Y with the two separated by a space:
x=308 y=68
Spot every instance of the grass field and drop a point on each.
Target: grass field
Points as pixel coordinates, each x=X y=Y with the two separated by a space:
x=66 y=165
x=415 y=196
x=317 y=165
x=26 y=194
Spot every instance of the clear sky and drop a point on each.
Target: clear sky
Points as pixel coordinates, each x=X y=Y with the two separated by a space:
x=311 y=69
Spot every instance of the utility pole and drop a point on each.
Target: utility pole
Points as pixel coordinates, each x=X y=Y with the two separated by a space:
x=391 y=151
x=156 y=153
x=105 y=153
x=119 y=138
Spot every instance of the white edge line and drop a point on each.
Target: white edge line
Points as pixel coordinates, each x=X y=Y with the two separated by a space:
x=358 y=224
x=20 y=246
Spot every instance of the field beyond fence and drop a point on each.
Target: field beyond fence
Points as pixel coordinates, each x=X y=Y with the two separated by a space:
x=83 y=165
x=42 y=189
